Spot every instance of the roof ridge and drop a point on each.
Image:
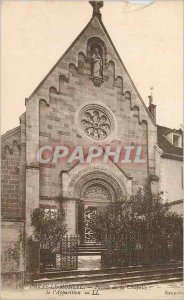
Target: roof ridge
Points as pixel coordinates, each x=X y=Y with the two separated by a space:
x=9 y=133
x=172 y=129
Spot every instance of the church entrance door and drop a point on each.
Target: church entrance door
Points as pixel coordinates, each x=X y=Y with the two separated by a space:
x=96 y=197
x=89 y=220
x=96 y=191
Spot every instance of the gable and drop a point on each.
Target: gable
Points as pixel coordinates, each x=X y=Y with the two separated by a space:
x=169 y=150
x=55 y=110
x=113 y=68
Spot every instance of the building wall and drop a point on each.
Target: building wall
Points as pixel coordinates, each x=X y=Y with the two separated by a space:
x=170 y=182
x=53 y=110
x=13 y=183
x=12 y=254
x=52 y=117
x=11 y=205
x=172 y=179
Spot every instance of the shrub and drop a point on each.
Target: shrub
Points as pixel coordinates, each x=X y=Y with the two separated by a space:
x=143 y=213
x=49 y=225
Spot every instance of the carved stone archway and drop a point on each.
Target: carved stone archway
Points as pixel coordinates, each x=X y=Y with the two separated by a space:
x=93 y=188
x=96 y=190
x=102 y=180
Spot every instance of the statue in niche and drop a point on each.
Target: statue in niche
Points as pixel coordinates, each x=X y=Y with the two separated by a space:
x=96 y=67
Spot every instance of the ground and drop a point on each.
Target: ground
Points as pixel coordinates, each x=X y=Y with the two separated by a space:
x=89 y=262
x=158 y=291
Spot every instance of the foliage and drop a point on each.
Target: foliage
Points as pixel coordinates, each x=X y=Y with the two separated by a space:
x=143 y=213
x=140 y=229
x=49 y=225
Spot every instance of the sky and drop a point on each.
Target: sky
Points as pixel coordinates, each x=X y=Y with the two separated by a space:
x=149 y=39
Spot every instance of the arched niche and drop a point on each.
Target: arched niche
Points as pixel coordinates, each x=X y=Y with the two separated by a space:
x=119 y=84
x=127 y=95
x=43 y=108
x=81 y=59
x=43 y=102
x=135 y=110
x=144 y=123
x=7 y=150
x=111 y=70
x=16 y=146
x=72 y=70
x=63 y=80
x=53 y=90
x=96 y=43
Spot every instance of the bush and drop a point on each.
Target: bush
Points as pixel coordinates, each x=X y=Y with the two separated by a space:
x=49 y=225
x=140 y=229
x=143 y=213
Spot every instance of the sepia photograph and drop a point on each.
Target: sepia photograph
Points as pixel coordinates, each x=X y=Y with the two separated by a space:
x=91 y=149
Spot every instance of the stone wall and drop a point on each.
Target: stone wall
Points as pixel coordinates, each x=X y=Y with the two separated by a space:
x=11 y=204
x=53 y=111
x=53 y=118
x=12 y=254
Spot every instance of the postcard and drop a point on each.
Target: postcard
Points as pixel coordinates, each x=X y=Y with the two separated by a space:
x=92 y=149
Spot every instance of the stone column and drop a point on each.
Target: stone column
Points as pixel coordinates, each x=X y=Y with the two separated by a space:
x=69 y=206
x=153 y=183
x=32 y=166
x=32 y=196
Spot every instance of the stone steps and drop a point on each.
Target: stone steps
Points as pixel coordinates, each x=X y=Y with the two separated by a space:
x=89 y=249
x=55 y=272
x=147 y=278
x=125 y=275
x=102 y=276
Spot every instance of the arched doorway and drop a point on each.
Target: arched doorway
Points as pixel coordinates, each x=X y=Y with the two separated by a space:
x=96 y=191
x=92 y=186
x=96 y=196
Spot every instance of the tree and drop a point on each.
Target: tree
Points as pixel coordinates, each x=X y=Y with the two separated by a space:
x=143 y=212
x=143 y=221
x=49 y=225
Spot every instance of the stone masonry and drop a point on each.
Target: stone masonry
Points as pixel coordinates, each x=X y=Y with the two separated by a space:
x=52 y=117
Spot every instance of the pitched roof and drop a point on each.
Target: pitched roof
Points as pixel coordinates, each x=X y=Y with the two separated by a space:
x=169 y=150
x=10 y=133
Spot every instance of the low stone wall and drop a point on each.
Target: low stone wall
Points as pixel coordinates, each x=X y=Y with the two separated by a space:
x=12 y=254
x=12 y=280
x=32 y=260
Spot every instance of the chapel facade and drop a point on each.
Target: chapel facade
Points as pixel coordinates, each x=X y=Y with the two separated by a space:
x=87 y=99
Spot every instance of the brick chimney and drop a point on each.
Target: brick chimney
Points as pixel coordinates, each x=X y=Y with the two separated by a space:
x=152 y=107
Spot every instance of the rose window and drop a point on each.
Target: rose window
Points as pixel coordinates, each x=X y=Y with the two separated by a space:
x=96 y=122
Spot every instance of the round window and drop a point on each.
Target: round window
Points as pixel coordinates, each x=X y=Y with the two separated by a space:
x=96 y=122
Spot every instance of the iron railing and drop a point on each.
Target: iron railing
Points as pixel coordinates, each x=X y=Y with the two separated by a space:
x=63 y=257
x=136 y=249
